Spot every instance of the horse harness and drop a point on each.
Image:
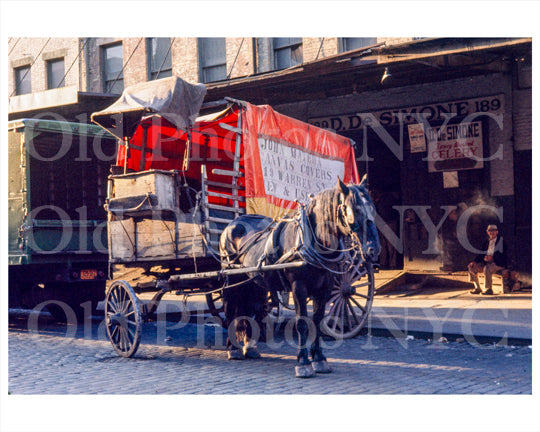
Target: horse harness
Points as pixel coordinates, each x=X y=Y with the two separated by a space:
x=304 y=248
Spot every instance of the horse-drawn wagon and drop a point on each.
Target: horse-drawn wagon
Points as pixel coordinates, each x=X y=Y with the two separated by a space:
x=181 y=180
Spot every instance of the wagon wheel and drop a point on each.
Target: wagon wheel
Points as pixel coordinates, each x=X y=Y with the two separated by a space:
x=214 y=301
x=350 y=302
x=123 y=318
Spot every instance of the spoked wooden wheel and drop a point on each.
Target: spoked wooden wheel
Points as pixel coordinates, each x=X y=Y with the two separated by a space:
x=123 y=318
x=350 y=302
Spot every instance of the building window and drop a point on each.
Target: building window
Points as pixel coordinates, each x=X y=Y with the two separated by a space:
x=349 y=44
x=287 y=52
x=23 y=80
x=159 y=58
x=112 y=64
x=55 y=73
x=213 y=59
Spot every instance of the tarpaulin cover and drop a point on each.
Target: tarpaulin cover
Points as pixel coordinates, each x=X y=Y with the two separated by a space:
x=172 y=98
x=282 y=159
x=286 y=160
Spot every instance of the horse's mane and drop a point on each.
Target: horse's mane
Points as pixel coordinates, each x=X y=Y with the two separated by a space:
x=323 y=214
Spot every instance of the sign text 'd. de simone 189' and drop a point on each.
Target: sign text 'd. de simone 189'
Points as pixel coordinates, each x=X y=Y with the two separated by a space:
x=435 y=112
x=292 y=173
x=455 y=147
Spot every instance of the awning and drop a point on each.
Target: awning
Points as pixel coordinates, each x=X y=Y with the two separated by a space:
x=172 y=98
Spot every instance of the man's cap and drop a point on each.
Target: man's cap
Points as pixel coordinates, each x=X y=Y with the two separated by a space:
x=492 y=228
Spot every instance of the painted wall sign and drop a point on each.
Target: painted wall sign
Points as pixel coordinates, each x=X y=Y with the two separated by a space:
x=455 y=147
x=436 y=112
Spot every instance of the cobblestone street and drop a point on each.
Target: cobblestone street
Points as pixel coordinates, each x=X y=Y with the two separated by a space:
x=191 y=360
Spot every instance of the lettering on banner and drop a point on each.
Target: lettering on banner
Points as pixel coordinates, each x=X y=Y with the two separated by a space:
x=291 y=173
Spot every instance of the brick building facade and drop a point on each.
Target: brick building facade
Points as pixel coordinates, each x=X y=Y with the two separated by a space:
x=84 y=63
x=329 y=82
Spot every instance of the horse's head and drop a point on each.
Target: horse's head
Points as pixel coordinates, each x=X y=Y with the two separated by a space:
x=357 y=215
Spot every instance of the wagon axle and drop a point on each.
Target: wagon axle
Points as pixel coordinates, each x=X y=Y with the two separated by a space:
x=348 y=290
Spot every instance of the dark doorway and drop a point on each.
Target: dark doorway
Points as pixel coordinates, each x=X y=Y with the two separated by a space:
x=383 y=167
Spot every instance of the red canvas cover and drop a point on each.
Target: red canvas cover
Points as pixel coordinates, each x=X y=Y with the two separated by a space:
x=283 y=159
x=286 y=160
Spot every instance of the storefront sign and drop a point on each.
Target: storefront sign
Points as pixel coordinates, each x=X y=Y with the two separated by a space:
x=292 y=173
x=437 y=112
x=455 y=147
x=417 y=137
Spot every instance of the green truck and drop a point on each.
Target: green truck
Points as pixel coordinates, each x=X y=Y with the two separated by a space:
x=58 y=254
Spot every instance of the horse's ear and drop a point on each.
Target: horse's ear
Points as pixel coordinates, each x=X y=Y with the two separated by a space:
x=364 y=183
x=342 y=187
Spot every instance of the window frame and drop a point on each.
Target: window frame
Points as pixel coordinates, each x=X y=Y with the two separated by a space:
x=105 y=81
x=164 y=73
x=343 y=43
x=205 y=65
x=298 y=42
x=48 y=64
x=27 y=76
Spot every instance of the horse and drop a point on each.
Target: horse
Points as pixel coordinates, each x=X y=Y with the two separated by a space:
x=315 y=235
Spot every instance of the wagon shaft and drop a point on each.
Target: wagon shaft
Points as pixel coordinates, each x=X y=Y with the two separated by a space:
x=235 y=271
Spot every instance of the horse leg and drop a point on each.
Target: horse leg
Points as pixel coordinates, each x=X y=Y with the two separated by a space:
x=303 y=367
x=319 y=364
x=251 y=304
x=230 y=305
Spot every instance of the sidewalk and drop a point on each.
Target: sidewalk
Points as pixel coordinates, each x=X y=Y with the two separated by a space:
x=447 y=311
x=432 y=306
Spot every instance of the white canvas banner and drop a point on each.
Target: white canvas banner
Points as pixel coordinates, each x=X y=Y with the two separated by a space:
x=292 y=173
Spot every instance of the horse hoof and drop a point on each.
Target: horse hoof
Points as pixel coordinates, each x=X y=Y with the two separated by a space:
x=305 y=371
x=251 y=352
x=235 y=355
x=321 y=367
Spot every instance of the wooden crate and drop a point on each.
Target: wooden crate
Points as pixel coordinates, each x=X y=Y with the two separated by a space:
x=122 y=240
x=161 y=184
x=155 y=238
x=190 y=240
x=147 y=239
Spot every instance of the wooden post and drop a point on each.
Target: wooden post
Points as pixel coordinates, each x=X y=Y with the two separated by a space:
x=126 y=153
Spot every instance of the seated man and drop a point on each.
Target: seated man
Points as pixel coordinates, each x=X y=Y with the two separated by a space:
x=492 y=261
